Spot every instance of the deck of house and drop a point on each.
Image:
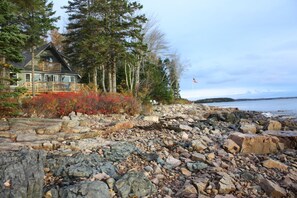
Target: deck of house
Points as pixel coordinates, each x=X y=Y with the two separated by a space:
x=41 y=87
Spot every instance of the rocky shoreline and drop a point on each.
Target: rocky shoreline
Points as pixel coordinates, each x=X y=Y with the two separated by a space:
x=177 y=151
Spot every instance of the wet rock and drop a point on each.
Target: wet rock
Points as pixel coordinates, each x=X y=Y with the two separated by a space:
x=231 y=146
x=270 y=163
x=85 y=189
x=134 y=184
x=274 y=125
x=226 y=185
x=119 y=151
x=23 y=171
x=272 y=189
x=258 y=144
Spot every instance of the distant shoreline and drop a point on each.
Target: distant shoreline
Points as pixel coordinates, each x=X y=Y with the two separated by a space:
x=214 y=100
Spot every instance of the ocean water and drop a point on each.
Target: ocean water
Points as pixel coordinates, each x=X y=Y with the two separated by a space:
x=281 y=107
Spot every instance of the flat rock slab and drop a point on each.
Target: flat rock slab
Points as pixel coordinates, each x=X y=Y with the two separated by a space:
x=23 y=125
x=4 y=126
x=257 y=144
x=288 y=138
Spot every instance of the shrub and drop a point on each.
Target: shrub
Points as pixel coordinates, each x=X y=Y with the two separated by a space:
x=60 y=104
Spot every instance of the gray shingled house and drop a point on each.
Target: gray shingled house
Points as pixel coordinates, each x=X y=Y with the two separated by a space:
x=52 y=73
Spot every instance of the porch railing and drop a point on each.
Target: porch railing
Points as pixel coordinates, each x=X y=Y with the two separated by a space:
x=53 y=87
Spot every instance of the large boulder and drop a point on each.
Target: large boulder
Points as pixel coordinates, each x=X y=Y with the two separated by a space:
x=21 y=174
x=231 y=146
x=134 y=184
x=79 y=166
x=274 y=125
x=119 y=151
x=287 y=138
x=258 y=144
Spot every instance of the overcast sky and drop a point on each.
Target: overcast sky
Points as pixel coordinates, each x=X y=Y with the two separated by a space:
x=239 y=49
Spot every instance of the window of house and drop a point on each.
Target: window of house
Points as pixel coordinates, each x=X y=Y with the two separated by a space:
x=13 y=78
x=66 y=79
x=28 y=77
x=37 y=77
x=72 y=79
x=49 y=78
x=56 y=78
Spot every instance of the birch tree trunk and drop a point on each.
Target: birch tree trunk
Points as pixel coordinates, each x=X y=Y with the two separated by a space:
x=137 y=78
x=103 y=78
x=126 y=76
x=33 y=71
x=95 y=79
x=109 y=80
x=114 y=77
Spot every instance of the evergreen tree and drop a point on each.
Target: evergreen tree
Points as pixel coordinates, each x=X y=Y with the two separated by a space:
x=101 y=33
x=11 y=38
x=156 y=82
x=11 y=43
x=173 y=75
x=36 y=20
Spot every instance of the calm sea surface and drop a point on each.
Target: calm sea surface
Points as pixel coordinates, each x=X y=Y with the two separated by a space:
x=276 y=107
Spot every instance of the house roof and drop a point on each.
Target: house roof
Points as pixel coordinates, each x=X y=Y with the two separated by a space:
x=49 y=46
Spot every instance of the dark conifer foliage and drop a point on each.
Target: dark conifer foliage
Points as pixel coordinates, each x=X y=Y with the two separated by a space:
x=100 y=35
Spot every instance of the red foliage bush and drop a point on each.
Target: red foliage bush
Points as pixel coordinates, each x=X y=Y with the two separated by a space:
x=60 y=104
